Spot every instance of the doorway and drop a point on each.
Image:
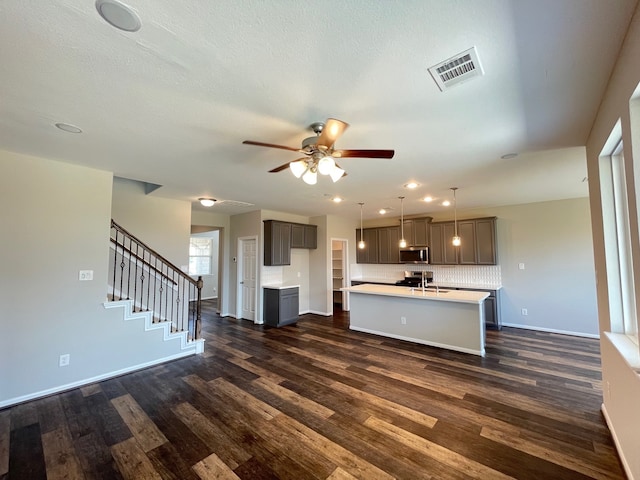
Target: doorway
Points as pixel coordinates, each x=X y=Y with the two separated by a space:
x=247 y=278
x=339 y=274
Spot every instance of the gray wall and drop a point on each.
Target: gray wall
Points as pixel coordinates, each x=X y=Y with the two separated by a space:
x=163 y=224
x=557 y=285
x=553 y=241
x=55 y=221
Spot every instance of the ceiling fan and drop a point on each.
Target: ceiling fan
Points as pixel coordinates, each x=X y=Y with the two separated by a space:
x=320 y=153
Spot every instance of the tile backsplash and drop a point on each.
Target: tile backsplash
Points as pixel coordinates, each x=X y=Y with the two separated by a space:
x=468 y=275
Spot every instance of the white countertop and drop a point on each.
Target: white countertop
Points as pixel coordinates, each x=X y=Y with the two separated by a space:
x=390 y=281
x=280 y=286
x=461 y=296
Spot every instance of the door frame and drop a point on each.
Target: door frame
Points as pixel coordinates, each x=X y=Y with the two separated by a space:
x=239 y=266
x=345 y=271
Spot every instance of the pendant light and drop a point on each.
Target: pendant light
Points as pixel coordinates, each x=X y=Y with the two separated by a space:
x=361 y=242
x=403 y=242
x=456 y=239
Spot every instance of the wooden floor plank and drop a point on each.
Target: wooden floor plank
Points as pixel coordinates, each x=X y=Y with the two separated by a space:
x=443 y=455
x=132 y=461
x=60 y=457
x=317 y=401
x=5 y=432
x=212 y=468
x=143 y=429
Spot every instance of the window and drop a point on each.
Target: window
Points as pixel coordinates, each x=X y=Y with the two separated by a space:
x=200 y=256
x=622 y=298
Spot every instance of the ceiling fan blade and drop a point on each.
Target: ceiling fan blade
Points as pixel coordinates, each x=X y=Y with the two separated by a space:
x=363 y=153
x=332 y=130
x=270 y=145
x=284 y=166
x=280 y=168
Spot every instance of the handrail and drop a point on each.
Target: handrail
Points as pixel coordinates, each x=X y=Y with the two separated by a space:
x=143 y=261
x=141 y=243
x=154 y=284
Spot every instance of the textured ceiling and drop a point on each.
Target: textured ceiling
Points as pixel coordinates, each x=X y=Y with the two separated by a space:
x=172 y=103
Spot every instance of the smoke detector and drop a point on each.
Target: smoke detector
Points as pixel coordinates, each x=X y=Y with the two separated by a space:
x=457 y=69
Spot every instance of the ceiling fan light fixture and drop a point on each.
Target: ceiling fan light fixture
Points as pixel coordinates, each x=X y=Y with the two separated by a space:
x=336 y=173
x=310 y=177
x=326 y=165
x=298 y=168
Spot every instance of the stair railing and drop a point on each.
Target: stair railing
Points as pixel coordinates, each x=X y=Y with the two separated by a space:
x=153 y=283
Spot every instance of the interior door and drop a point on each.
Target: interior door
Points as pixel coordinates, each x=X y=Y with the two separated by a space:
x=248 y=279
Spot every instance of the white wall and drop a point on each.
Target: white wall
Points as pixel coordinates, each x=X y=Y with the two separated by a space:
x=55 y=221
x=619 y=378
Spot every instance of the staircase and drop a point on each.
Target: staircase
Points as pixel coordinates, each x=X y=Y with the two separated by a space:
x=151 y=288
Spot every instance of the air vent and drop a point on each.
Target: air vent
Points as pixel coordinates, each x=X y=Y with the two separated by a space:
x=234 y=203
x=457 y=69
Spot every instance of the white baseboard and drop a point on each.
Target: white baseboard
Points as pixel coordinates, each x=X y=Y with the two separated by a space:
x=87 y=381
x=623 y=460
x=552 y=330
x=317 y=312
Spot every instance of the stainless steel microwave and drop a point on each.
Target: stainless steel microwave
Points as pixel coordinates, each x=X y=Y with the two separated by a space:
x=414 y=255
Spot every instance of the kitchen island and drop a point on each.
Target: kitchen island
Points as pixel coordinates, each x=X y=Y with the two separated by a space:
x=452 y=319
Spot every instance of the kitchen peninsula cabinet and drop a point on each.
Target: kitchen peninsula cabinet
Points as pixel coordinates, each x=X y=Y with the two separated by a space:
x=281 y=305
x=478 y=244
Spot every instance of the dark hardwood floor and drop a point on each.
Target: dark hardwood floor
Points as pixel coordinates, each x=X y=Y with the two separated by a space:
x=317 y=401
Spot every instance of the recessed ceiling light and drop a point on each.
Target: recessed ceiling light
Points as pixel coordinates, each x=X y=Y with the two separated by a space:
x=67 y=127
x=336 y=199
x=428 y=199
x=509 y=156
x=118 y=15
x=446 y=203
x=411 y=185
x=207 y=202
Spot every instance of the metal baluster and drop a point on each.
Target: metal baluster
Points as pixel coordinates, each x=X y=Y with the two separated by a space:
x=199 y=309
x=149 y=283
x=128 y=270
x=135 y=279
x=115 y=261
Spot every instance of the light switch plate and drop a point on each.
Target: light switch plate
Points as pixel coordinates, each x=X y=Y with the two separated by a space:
x=85 y=275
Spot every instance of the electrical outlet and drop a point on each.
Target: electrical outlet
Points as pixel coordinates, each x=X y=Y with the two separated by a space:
x=85 y=275
x=524 y=312
x=403 y=320
x=64 y=360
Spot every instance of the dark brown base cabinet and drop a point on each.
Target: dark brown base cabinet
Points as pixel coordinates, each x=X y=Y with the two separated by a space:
x=492 y=318
x=281 y=306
